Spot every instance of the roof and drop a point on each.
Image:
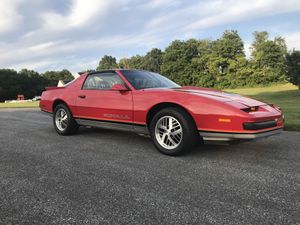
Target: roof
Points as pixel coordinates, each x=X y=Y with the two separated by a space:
x=106 y=70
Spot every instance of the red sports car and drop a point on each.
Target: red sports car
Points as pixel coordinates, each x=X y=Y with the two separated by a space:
x=177 y=118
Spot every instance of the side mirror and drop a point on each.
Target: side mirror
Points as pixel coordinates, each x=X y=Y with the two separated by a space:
x=119 y=87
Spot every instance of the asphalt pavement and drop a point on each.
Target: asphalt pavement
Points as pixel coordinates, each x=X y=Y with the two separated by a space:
x=110 y=177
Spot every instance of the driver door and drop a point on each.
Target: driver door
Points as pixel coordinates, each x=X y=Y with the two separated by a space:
x=97 y=101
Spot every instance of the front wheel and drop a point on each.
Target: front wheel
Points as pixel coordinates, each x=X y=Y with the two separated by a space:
x=173 y=131
x=63 y=121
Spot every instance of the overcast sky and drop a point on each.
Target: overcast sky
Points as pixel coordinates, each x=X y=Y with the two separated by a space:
x=74 y=34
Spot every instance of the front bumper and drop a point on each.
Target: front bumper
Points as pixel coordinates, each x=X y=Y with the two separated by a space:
x=219 y=136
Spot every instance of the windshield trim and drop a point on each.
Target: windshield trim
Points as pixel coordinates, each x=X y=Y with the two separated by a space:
x=161 y=78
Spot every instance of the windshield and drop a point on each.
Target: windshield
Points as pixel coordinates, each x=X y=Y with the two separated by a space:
x=144 y=79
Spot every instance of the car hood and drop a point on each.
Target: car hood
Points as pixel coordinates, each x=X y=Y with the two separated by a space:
x=220 y=96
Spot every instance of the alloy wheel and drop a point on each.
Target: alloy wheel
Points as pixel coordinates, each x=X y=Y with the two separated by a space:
x=168 y=132
x=61 y=119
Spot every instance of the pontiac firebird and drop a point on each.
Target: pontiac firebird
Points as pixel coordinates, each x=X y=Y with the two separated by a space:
x=175 y=117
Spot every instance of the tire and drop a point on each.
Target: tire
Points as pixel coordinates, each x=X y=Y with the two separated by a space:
x=177 y=139
x=65 y=126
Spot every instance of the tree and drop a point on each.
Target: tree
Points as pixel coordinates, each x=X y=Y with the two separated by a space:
x=218 y=69
x=134 y=62
x=224 y=55
x=217 y=63
x=293 y=67
x=177 y=60
x=52 y=77
x=9 y=84
x=259 y=38
x=31 y=83
x=199 y=66
x=107 y=62
x=269 y=54
x=26 y=82
x=66 y=75
x=230 y=45
x=268 y=59
x=153 y=60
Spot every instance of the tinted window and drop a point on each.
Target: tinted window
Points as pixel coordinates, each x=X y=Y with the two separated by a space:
x=102 y=81
x=145 y=79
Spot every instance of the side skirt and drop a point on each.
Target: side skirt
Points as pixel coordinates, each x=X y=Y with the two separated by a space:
x=140 y=129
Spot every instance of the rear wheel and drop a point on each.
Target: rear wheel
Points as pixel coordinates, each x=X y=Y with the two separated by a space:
x=63 y=121
x=173 y=131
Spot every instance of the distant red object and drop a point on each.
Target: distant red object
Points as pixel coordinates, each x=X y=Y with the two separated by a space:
x=20 y=97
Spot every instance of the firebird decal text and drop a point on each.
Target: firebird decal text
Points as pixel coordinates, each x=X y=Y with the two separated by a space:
x=116 y=116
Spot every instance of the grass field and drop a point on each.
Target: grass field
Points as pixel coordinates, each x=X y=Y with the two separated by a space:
x=20 y=105
x=287 y=96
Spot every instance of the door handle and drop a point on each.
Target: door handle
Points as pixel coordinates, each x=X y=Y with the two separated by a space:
x=81 y=96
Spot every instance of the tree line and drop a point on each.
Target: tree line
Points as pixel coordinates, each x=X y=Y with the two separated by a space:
x=220 y=63
x=28 y=82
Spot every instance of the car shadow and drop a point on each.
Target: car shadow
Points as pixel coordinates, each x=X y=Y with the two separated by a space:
x=210 y=150
x=93 y=130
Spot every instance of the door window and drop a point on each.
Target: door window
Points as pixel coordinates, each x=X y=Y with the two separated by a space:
x=101 y=81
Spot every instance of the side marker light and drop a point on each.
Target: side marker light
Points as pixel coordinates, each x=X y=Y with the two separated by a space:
x=223 y=120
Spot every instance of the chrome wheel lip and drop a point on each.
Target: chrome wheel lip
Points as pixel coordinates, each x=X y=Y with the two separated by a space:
x=168 y=132
x=61 y=119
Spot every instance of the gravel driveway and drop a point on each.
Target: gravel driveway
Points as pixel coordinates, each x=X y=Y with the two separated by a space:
x=111 y=177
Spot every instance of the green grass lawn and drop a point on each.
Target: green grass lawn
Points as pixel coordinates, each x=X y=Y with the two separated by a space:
x=20 y=105
x=286 y=96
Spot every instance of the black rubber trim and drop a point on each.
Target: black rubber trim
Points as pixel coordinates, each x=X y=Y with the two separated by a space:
x=260 y=125
x=110 y=121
